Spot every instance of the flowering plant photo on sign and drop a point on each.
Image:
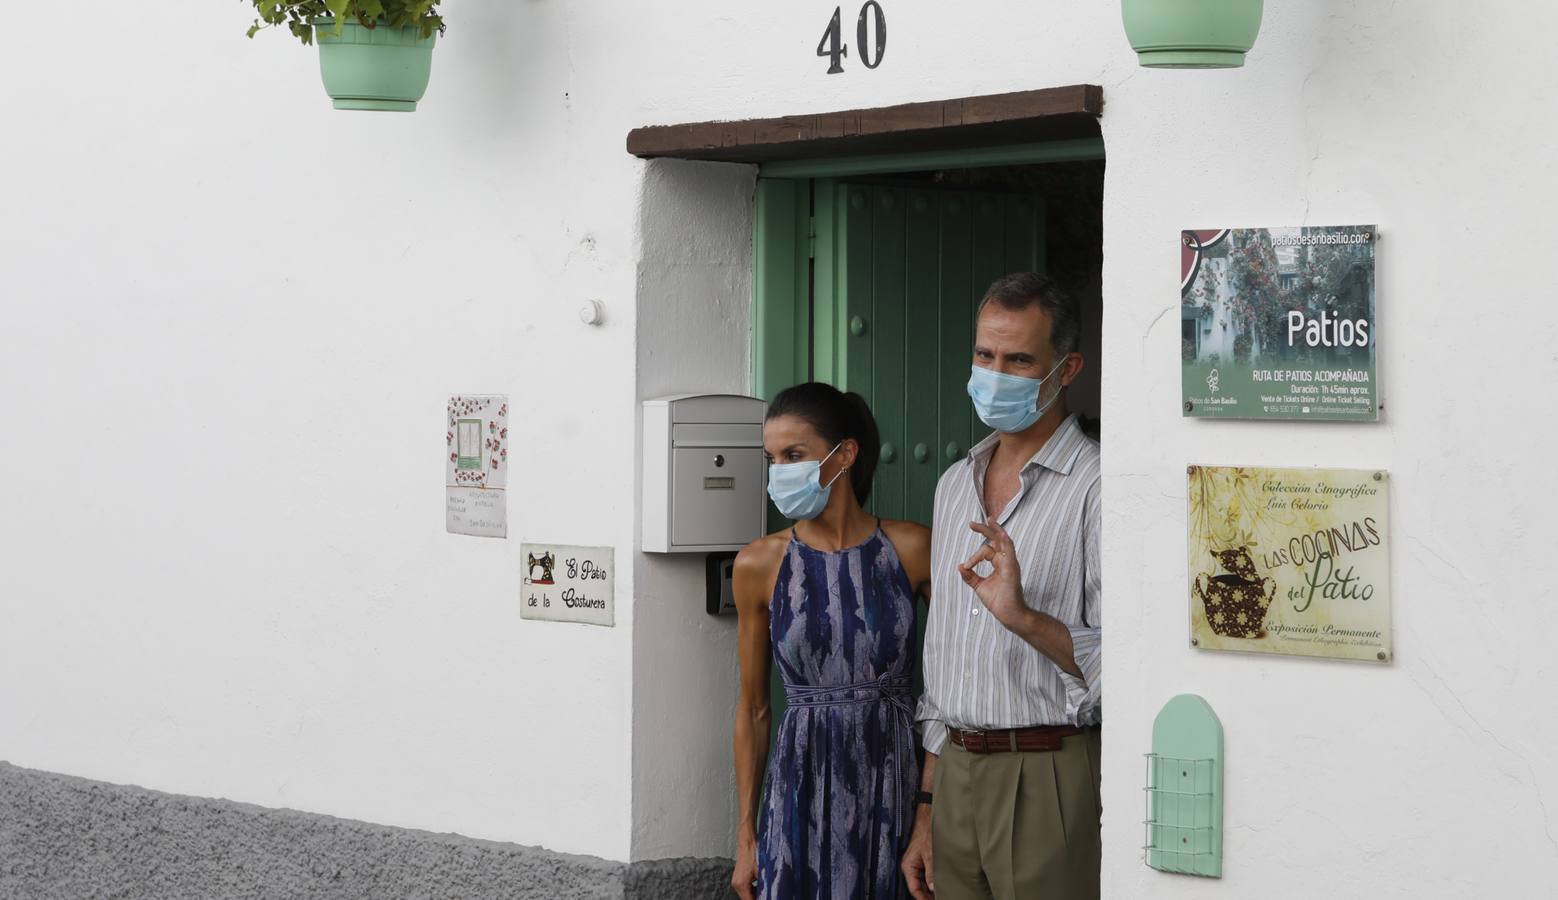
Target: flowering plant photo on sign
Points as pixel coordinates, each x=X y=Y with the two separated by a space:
x=1278 y=323
x=476 y=466
x=1293 y=561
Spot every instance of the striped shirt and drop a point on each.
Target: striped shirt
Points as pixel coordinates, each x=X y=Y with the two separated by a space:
x=979 y=675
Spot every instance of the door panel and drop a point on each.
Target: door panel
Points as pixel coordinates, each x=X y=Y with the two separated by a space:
x=930 y=254
x=1024 y=237
x=922 y=348
x=856 y=296
x=781 y=272
x=887 y=334
x=956 y=338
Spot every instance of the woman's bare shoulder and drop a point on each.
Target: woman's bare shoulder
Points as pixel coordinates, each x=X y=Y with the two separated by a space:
x=912 y=542
x=764 y=552
x=757 y=567
x=907 y=535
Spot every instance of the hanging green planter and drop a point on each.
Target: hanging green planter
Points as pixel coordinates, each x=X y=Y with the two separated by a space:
x=373 y=54
x=379 y=68
x=1191 y=34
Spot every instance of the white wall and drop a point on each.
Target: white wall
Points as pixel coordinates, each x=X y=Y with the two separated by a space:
x=694 y=336
x=1432 y=776
x=244 y=310
x=231 y=319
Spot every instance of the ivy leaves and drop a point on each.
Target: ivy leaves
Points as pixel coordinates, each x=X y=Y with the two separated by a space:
x=297 y=16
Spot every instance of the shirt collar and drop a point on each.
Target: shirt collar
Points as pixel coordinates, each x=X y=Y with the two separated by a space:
x=1058 y=454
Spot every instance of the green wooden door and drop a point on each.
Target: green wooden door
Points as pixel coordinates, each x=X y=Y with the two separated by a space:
x=909 y=267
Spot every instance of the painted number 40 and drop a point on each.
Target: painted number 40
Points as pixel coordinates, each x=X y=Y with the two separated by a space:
x=832 y=48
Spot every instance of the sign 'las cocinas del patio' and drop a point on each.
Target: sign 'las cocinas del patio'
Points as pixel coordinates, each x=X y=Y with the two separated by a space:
x=1278 y=323
x=1293 y=561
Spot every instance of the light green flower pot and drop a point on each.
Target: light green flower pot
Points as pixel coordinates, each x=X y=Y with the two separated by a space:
x=379 y=68
x=1191 y=34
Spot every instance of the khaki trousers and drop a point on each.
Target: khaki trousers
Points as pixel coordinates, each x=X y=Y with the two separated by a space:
x=1018 y=826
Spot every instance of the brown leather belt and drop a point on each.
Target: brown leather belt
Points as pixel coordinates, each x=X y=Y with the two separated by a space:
x=1039 y=739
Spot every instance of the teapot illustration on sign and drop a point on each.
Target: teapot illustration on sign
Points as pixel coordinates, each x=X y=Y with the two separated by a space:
x=1235 y=600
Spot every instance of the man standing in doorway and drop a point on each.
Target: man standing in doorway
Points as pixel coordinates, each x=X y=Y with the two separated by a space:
x=1009 y=799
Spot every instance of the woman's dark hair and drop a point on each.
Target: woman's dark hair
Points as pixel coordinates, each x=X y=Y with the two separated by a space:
x=837 y=416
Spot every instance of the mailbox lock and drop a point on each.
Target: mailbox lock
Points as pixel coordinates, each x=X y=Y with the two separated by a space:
x=719 y=460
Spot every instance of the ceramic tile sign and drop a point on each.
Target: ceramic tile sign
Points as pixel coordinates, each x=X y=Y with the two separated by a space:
x=1293 y=561
x=1278 y=323
x=563 y=583
x=476 y=466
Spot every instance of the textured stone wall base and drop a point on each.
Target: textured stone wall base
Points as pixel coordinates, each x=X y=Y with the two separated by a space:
x=66 y=838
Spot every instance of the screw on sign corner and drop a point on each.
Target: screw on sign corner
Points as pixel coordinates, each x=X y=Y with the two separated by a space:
x=1189 y=406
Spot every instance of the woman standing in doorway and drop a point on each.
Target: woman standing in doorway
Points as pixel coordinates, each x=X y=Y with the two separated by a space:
x=830 y=601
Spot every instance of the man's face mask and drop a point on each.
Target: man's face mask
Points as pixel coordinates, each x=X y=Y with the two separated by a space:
x=1009 y=403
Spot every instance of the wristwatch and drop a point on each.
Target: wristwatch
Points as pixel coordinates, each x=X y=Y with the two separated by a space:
x=922 y=797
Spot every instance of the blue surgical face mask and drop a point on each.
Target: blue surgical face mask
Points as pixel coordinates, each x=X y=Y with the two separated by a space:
x=797 y=488
x=1009 y=403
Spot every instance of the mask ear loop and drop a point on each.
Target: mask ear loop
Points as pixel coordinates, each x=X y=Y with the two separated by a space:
x=828 y=457
x=1045 y=380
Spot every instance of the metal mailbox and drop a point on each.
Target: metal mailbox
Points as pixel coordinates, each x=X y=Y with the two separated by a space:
x=705 y=479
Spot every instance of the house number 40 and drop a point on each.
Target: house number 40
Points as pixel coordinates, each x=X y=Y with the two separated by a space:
x=832 y=48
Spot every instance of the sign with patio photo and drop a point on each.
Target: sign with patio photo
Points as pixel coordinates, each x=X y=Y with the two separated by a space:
x=1278 y=323
x=1293 y=561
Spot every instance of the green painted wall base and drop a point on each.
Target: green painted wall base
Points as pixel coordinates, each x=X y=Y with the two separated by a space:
x=382 y=69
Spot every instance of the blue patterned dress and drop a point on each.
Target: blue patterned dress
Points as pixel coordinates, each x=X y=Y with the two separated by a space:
x=838 y=805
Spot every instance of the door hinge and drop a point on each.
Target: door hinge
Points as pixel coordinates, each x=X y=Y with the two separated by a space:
x=811 y=237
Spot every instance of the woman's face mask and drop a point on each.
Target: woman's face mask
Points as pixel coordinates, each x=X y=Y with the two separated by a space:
x=1009 y=403
x=797 y=489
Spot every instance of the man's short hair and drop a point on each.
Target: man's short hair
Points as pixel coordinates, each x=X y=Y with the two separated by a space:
x=1022 y=290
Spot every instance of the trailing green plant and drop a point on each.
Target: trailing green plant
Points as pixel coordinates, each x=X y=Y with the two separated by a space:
x=298 y=15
